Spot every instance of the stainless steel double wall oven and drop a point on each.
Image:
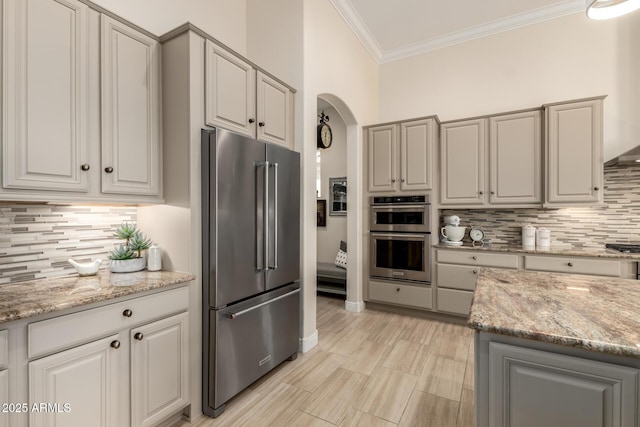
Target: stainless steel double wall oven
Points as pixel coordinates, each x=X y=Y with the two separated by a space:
x=400 y=238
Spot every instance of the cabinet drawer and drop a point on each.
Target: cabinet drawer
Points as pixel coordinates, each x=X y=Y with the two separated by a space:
x=478 y=258
x=577 y=265
x=4 y=349
x=73 y=329
x=412 y=296
x=454 y=301
x=457 y=276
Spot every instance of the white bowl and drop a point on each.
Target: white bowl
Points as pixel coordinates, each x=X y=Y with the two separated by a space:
x=127 y=265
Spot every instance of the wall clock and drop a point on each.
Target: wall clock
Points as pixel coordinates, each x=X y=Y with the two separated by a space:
x=477 y=236
x=325 y=136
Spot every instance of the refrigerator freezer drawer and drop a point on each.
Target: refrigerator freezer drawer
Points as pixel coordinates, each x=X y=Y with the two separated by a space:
x=252 y=338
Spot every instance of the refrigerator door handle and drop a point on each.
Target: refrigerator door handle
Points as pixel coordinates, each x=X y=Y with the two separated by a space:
x=275 y=215
x=265 y=226
x=262 y=304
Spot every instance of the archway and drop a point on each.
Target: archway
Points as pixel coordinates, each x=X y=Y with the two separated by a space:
x=354 y=301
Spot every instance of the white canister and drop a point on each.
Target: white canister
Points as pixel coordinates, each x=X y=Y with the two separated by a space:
x=543 y=238
x=528 y=236
x=154 y=263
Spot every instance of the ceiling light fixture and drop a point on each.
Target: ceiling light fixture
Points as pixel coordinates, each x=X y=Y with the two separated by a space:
x=606 y=9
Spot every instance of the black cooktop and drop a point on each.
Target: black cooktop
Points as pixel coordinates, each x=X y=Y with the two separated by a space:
x=632 y=249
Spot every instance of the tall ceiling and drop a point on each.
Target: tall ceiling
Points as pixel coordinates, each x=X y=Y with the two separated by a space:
x=396 y=29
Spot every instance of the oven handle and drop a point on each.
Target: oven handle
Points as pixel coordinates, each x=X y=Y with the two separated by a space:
x=398 y=208
x=403 y=236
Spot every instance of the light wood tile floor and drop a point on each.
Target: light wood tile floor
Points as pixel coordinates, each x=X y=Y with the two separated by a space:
x=369 y=369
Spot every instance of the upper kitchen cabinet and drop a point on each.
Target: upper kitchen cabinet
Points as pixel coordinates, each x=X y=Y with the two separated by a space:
x=130 y=68
x=515 y=151
x=404 y=164
x=511 y=161
x=463 y=162
x=45 y=100
x=573 y=163
x=244 y=100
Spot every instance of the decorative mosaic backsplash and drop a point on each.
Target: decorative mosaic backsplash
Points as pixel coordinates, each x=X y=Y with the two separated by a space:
x=37 y=240
x=619 y=222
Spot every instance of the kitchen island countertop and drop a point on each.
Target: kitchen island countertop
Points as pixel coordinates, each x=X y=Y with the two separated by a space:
x=36 y=297
x=598 y=252
x=588 y=312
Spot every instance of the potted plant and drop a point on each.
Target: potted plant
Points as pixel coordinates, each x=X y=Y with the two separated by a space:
x=128 y=257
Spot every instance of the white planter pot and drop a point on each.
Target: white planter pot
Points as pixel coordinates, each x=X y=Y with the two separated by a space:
x=127 y=265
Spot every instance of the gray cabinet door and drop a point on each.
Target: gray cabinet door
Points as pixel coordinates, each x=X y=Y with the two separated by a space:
x=532 y=388
x=381 y=146
x=45 y=70
x=462 y=162
x=274 y=111
x=515 y=152
x=416 y=154
x=574 y=163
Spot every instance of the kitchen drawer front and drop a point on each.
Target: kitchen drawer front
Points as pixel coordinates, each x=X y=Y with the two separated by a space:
x=400 y=294
x=457 y=276
x=577 y=265
x=478 y=258
x=4 y=349
x=454 y=301
x=66 y=331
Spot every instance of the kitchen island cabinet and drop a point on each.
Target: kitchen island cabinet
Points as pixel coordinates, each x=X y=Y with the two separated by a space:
x=555 y=349
x=114 y=348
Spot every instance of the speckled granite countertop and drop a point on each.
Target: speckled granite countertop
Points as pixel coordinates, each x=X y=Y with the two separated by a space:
x=600 y=252
x=589 y=312
x=32 y=298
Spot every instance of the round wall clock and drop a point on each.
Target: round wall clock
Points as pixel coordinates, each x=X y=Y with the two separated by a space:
x=325 y=136
x=477 y=236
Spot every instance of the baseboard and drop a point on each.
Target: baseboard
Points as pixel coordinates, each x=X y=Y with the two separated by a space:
x=354 y=307
x=307 y=343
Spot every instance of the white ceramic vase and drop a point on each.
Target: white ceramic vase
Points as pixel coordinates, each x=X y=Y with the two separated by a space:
x=127 y=265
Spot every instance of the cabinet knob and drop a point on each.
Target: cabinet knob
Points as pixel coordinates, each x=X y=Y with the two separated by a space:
x=481 y=192
x=108 y=169
x=115 y=344
x=85 y=167
x=474 y=257
x=261 y=124
x=402 y=180
x=475 y=271
x=393 y=180
x=252 y=121
x=493 y=192
x=138 y=336
x=596 y=188
x=127 y=313
x=397 y=289
x=570 y=264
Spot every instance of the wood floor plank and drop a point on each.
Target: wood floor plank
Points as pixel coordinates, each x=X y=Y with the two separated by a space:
x=442 y=377
x=452 y=346
x=278 y=408
x=302 y=419
x=386 y=394
x=334 y=397
x=427 y=410
x=347 y=341
x=357 y=418
x=366 y=357
x=466 y=412
x=407 y=356
x=316 y=369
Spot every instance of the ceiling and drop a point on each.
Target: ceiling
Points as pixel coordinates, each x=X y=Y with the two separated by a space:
x=391 y=30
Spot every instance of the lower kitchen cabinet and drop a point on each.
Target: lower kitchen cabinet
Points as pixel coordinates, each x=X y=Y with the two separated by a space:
x=454 y=301
x=159 y=374
x=123 y=364
x=77 y=387
x=528 y=388
x=4 y=396
x=415 y=296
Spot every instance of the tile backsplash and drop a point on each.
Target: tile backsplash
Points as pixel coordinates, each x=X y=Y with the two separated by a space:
x=618 y=222
x=37 y=240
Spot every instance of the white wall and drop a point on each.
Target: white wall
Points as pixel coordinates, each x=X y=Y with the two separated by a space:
x=225 y=20
x=566 y=58
x=333 y=165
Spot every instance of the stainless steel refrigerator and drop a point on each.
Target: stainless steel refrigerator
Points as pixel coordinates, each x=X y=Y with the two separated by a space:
x=250 y=262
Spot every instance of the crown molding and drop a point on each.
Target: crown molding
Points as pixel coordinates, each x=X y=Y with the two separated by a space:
x=357 y=25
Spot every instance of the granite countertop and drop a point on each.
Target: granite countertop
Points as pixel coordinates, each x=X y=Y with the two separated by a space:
x=599 y=252
x=589 y=312
x=32 y=298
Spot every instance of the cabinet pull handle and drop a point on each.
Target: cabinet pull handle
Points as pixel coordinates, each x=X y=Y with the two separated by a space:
x=570 y=264
x=127 y=313
x=493 y=192
x=474 y=257
x=481 y=192
x=475 y=271
x=115 y=344
x=108 y=169
x=138 y=336
x=85 y=167
x=596 y=188
x=261 y=124
x=252 y=121
x=397 y=289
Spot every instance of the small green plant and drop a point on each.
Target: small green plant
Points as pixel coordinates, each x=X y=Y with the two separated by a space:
x=135 y=240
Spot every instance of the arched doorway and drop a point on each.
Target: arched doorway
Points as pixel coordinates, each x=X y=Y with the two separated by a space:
x=354 y=298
